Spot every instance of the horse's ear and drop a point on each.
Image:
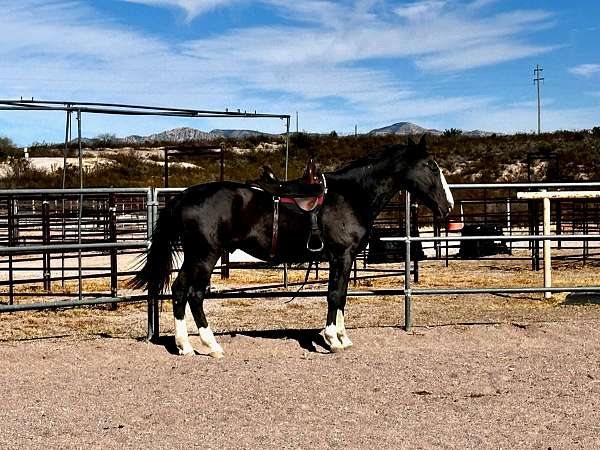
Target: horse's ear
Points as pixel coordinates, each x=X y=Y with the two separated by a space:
x=410 y=142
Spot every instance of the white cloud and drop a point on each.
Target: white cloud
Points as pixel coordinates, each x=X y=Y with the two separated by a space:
x=585 y=70
x=479 y=4
x=320 y=66
x=192 y=8
x=483 y=41
x=478 y=56
x=418 y=10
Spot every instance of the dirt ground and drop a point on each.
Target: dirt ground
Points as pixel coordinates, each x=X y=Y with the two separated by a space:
x=87 y=379
x=475 y=372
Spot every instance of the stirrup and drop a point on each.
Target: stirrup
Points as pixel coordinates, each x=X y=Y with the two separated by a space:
x=311 y=249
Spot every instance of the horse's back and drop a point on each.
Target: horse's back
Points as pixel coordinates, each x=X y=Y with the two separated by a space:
x=221 y=213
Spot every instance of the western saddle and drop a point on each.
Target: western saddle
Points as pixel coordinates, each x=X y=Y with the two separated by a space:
x=307 y=193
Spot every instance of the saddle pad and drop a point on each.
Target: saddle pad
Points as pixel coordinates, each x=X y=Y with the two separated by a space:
x=305 y=204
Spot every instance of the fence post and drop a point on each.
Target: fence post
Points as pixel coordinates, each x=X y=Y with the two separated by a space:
x=415 y=232
x=112 y=230
x=153 y=316
x=547 y=248
x=46 y=240
x=586 y=229
x=407 y=297
x=11 y=242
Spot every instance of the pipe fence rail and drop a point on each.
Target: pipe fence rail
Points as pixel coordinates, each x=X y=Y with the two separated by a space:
x=45 y=241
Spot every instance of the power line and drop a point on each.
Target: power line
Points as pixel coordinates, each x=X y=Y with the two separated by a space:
x=537 y=72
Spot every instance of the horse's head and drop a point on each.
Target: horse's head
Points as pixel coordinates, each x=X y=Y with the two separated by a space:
x=425 y=179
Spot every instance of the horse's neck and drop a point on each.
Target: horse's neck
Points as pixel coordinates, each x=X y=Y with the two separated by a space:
x=372 y=184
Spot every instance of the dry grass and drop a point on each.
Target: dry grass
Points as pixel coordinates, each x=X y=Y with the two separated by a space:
x=228 y=315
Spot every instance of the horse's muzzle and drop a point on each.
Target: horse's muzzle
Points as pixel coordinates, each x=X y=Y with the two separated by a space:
x=442 y=212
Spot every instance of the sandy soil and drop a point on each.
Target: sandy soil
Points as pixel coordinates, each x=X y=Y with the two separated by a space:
x=503 y=386
x=475 y=372
x=87 y=379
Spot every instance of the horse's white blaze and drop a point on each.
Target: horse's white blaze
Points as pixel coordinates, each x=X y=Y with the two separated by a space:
x=208 y=338
x=181 y=337
x=447 y=189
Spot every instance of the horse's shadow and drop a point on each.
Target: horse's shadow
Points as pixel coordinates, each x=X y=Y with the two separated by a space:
x=582 y=298
x=309 y=339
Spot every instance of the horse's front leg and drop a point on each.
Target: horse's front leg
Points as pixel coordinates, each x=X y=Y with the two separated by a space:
x=335 y=331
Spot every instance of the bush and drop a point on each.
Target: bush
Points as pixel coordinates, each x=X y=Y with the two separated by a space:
x=7 y=147
x=452 y=132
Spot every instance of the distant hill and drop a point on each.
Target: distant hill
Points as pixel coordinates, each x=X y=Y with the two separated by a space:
x=480 y=133
x=184 y=134
x=408 y=128
x=404 y=128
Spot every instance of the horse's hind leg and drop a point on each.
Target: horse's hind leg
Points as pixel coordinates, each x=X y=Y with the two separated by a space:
x=200 y=280
x=181 y=292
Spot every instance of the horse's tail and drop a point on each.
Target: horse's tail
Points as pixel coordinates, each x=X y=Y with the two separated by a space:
x=155 y=273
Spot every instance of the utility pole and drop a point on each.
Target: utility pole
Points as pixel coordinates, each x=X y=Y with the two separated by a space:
x=537 y=72
x=296 y=122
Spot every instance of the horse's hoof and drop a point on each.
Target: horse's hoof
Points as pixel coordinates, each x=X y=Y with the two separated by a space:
x=187 y=352
x=336 y=349
x=346 y=343
x=216 y=355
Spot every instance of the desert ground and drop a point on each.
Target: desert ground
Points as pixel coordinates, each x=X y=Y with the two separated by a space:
x=475 y=371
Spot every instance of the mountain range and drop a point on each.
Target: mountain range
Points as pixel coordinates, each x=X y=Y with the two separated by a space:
x=186 y=134
x=405 y=128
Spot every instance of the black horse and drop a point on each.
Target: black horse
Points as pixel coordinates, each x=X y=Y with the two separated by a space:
x=208 y=219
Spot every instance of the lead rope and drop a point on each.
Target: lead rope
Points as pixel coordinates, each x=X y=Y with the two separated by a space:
x=303 y=284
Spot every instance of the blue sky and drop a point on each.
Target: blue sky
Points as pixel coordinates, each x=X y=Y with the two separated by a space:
x=438 y=63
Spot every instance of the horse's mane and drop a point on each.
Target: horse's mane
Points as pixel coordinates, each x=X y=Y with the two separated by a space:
x=371 y=157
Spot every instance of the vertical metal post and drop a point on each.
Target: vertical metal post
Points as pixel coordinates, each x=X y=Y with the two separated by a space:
x=586 y=229
x=537 y=72
x=415 y=232
x=436 y=233
x=485 y=208
x=287 y=145
x=534 y=228
x=166 y=167
x=153 y=316
x=547 y=249
x=407 y=293
x=509 y=221
x=558 y=212
x=225 y=253
x=287 y=154
x=11 y=242
x=80 y=210
x=64 y=184
x=112 y=230
x=46 y=240
x=446 y=244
